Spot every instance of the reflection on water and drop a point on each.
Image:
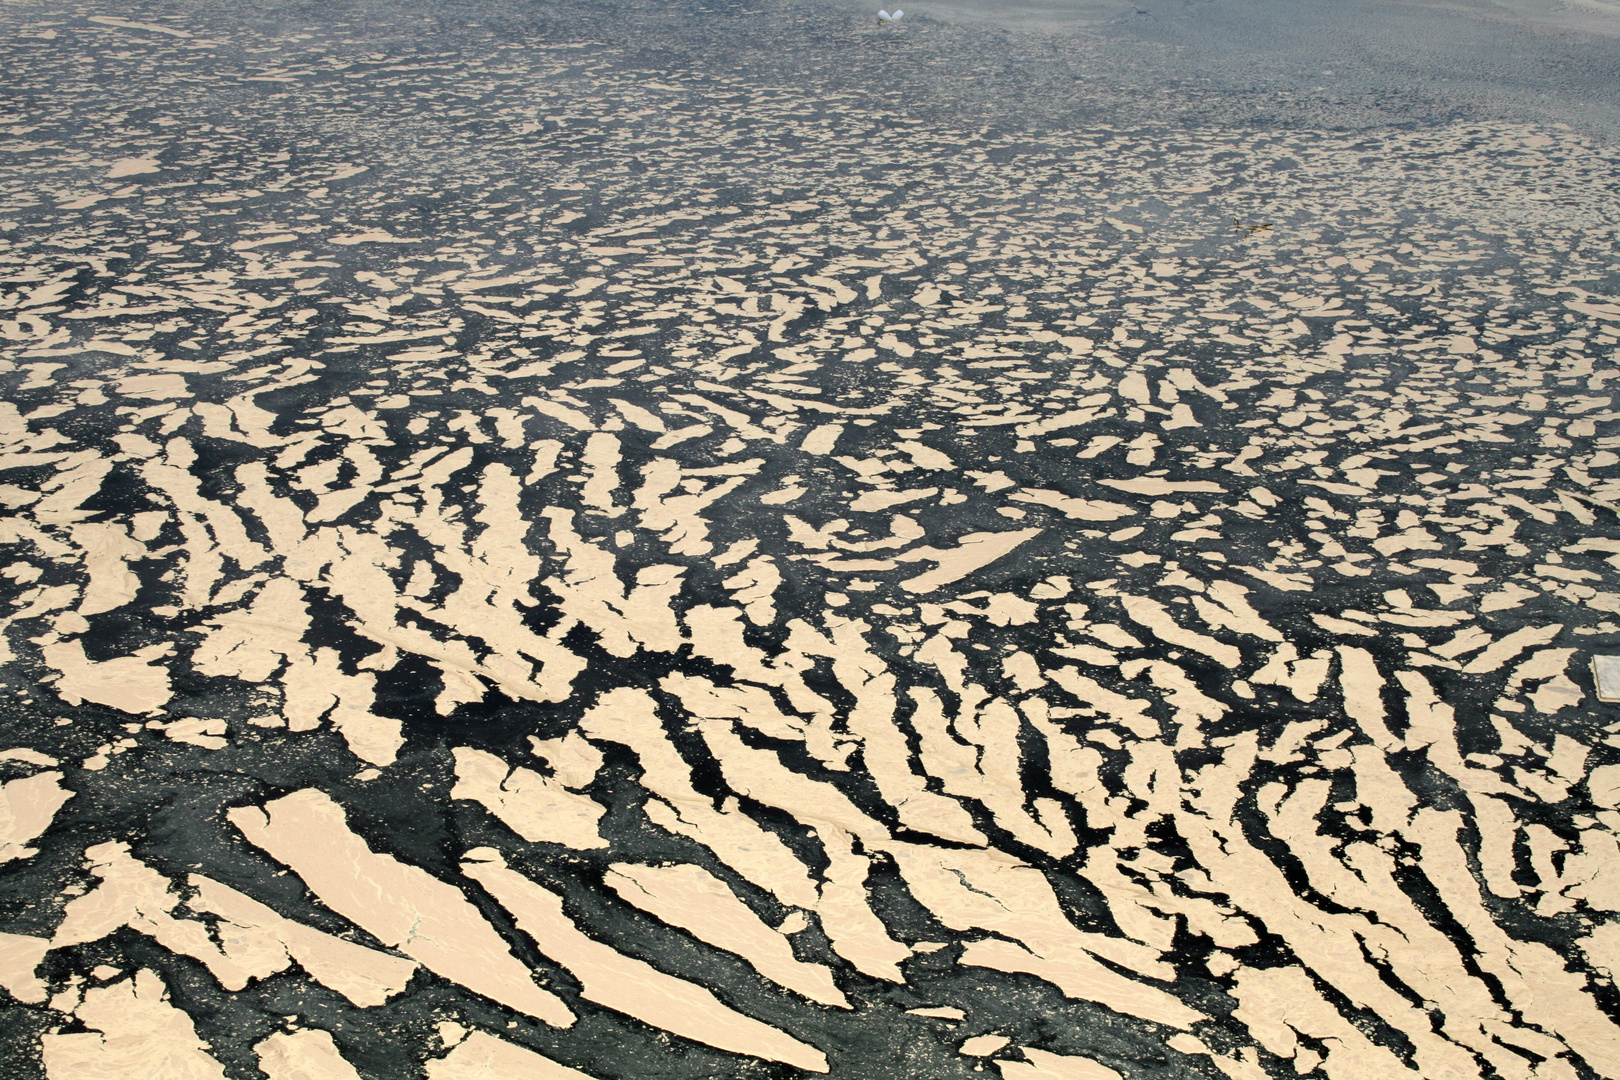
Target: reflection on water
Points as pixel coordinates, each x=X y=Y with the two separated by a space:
x=1346 y=62
x=1581 y=16
x=1041 y=15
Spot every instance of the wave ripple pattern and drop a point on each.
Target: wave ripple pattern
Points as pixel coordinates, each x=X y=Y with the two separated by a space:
x=521 y=564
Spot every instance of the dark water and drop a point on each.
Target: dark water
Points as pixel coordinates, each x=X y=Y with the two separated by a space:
x=399 y=390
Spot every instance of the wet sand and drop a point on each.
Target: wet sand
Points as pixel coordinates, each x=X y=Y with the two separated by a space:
x=1344 y=63
x=1049 y=16
x=621 y=542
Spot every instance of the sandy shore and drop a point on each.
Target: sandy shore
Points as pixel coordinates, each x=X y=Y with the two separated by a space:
x=634 y=542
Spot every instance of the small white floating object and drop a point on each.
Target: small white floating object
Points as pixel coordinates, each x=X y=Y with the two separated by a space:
x=1606 y=671
x=884 y=16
